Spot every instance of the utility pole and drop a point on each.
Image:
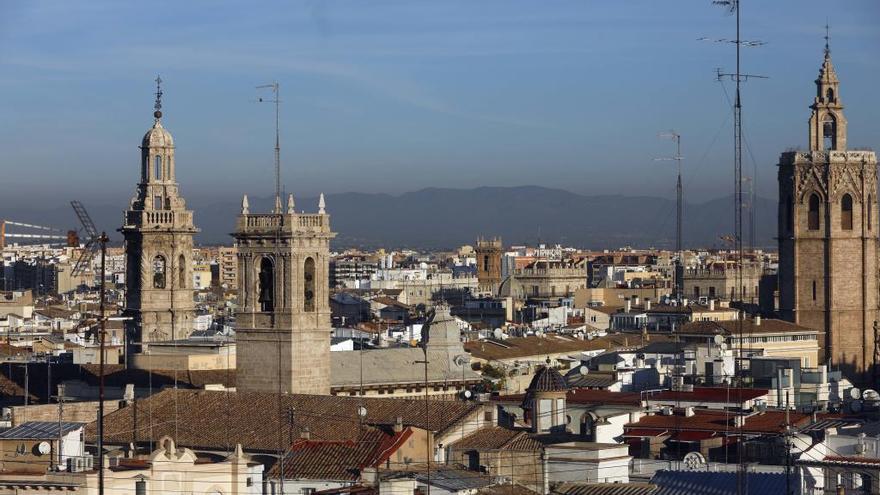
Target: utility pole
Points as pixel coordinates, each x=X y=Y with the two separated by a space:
x=101 y=338
x=428 y=446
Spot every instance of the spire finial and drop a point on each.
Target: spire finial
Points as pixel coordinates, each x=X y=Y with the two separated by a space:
x=322 y=205
x=158 y=105
x=290 y=204
x=827 y=39
x=245 y=207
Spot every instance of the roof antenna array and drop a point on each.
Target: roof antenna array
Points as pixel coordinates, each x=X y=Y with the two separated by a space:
x=274 y=87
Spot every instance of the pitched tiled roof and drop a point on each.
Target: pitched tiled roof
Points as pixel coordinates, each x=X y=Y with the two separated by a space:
x=709 y=394
x=523 y=347
x=218 y=420
x=497 y=438
x=720 y=421
x=706 y=482
x=731 y=327
x=339 y=460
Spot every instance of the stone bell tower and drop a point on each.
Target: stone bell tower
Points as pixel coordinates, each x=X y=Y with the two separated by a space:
x=827 y=232
x=283 y=322
x=158 y=231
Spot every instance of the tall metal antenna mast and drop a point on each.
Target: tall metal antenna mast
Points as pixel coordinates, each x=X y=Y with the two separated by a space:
x=277 y=101
x=734 y=7
x=679 y=265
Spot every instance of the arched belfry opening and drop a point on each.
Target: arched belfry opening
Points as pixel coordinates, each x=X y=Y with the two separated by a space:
x=309 y=284
x=159 y=269
x=267 y=285
x=829 y=131
x=829 y=95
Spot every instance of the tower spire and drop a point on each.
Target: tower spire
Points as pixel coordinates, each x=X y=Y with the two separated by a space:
x=158 y=105
x=827 y=39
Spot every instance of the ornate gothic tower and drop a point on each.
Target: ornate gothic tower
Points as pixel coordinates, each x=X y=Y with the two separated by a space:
x=158 y=232
x=489 y=264
x=283 y=322
x=828 y=277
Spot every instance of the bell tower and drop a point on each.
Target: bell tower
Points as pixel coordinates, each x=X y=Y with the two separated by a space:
x=158 y=231
x=283 y=323
x=827 y=231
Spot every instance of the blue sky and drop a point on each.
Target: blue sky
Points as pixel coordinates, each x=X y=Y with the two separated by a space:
x=393 y=96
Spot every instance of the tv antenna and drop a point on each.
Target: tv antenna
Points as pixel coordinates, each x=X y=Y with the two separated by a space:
x=679 y=266
x=734 y=7
x=93 y=243
x=275 y=88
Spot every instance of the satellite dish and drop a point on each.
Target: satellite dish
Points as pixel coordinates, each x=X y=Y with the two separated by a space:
x=871 y=395
x=497 y=333
x=719 y=339
x=539 y=333
x=467 y=394
x=694 y=461
x=855 y=393
x=43 y=448
x=583 y=370
x=362 y=412
x=855 y=406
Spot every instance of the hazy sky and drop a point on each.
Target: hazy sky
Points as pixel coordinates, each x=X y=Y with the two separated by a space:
x=393 y=96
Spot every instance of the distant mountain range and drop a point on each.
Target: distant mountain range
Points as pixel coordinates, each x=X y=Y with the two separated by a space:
x=436 y=218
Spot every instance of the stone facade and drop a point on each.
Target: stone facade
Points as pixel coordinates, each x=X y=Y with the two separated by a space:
x=158 y=231
x=489 y=265
x=828 y=277
x=283 y=322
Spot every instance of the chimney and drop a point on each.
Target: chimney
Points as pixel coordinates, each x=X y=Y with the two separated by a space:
x=398 y=425
x=684 y=301
x=647 y=304
x=688 y=411
x=627 y=305
x=711 y=304
x=757 y=320
x=305 y=434
x=636 y=300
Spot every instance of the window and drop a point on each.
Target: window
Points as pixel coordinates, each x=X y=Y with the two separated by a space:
x=829 y=132
x=846 y=212
x=814 y=290
x=309 y=284
x=267 y=285
x=157 y=202
x=813 y=216
x=829 y=95
x=157 y=167
x=870 y=211
x=159 y=272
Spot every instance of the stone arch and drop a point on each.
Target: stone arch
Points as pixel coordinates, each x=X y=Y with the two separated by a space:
x=266 y=284
x=829 y=130
x=157 y=167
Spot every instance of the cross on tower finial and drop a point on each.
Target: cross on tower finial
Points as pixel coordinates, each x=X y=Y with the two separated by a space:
x=827 y=39
x=158 y=105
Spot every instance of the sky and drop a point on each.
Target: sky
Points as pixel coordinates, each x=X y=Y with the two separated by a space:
x=394 y=96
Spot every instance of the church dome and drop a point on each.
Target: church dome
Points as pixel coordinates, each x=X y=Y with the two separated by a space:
x=157 y=137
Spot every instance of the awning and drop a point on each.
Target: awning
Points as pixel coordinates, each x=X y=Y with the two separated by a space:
x=642 y=433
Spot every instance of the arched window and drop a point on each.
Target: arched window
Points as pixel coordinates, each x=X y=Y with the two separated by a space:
x=813 y=216
x=309 y=285
x=829 y=95
x=829 y=131
x=846 y=212
x=157 y=167
x=159 y=272
x=181 y=272
x=870 y=208
x=267 y=285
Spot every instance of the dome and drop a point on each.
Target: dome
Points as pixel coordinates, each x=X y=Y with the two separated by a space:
x=157 y=137
x=546 y=379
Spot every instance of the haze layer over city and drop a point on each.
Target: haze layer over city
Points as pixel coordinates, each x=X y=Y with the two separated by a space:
x=475 y=248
